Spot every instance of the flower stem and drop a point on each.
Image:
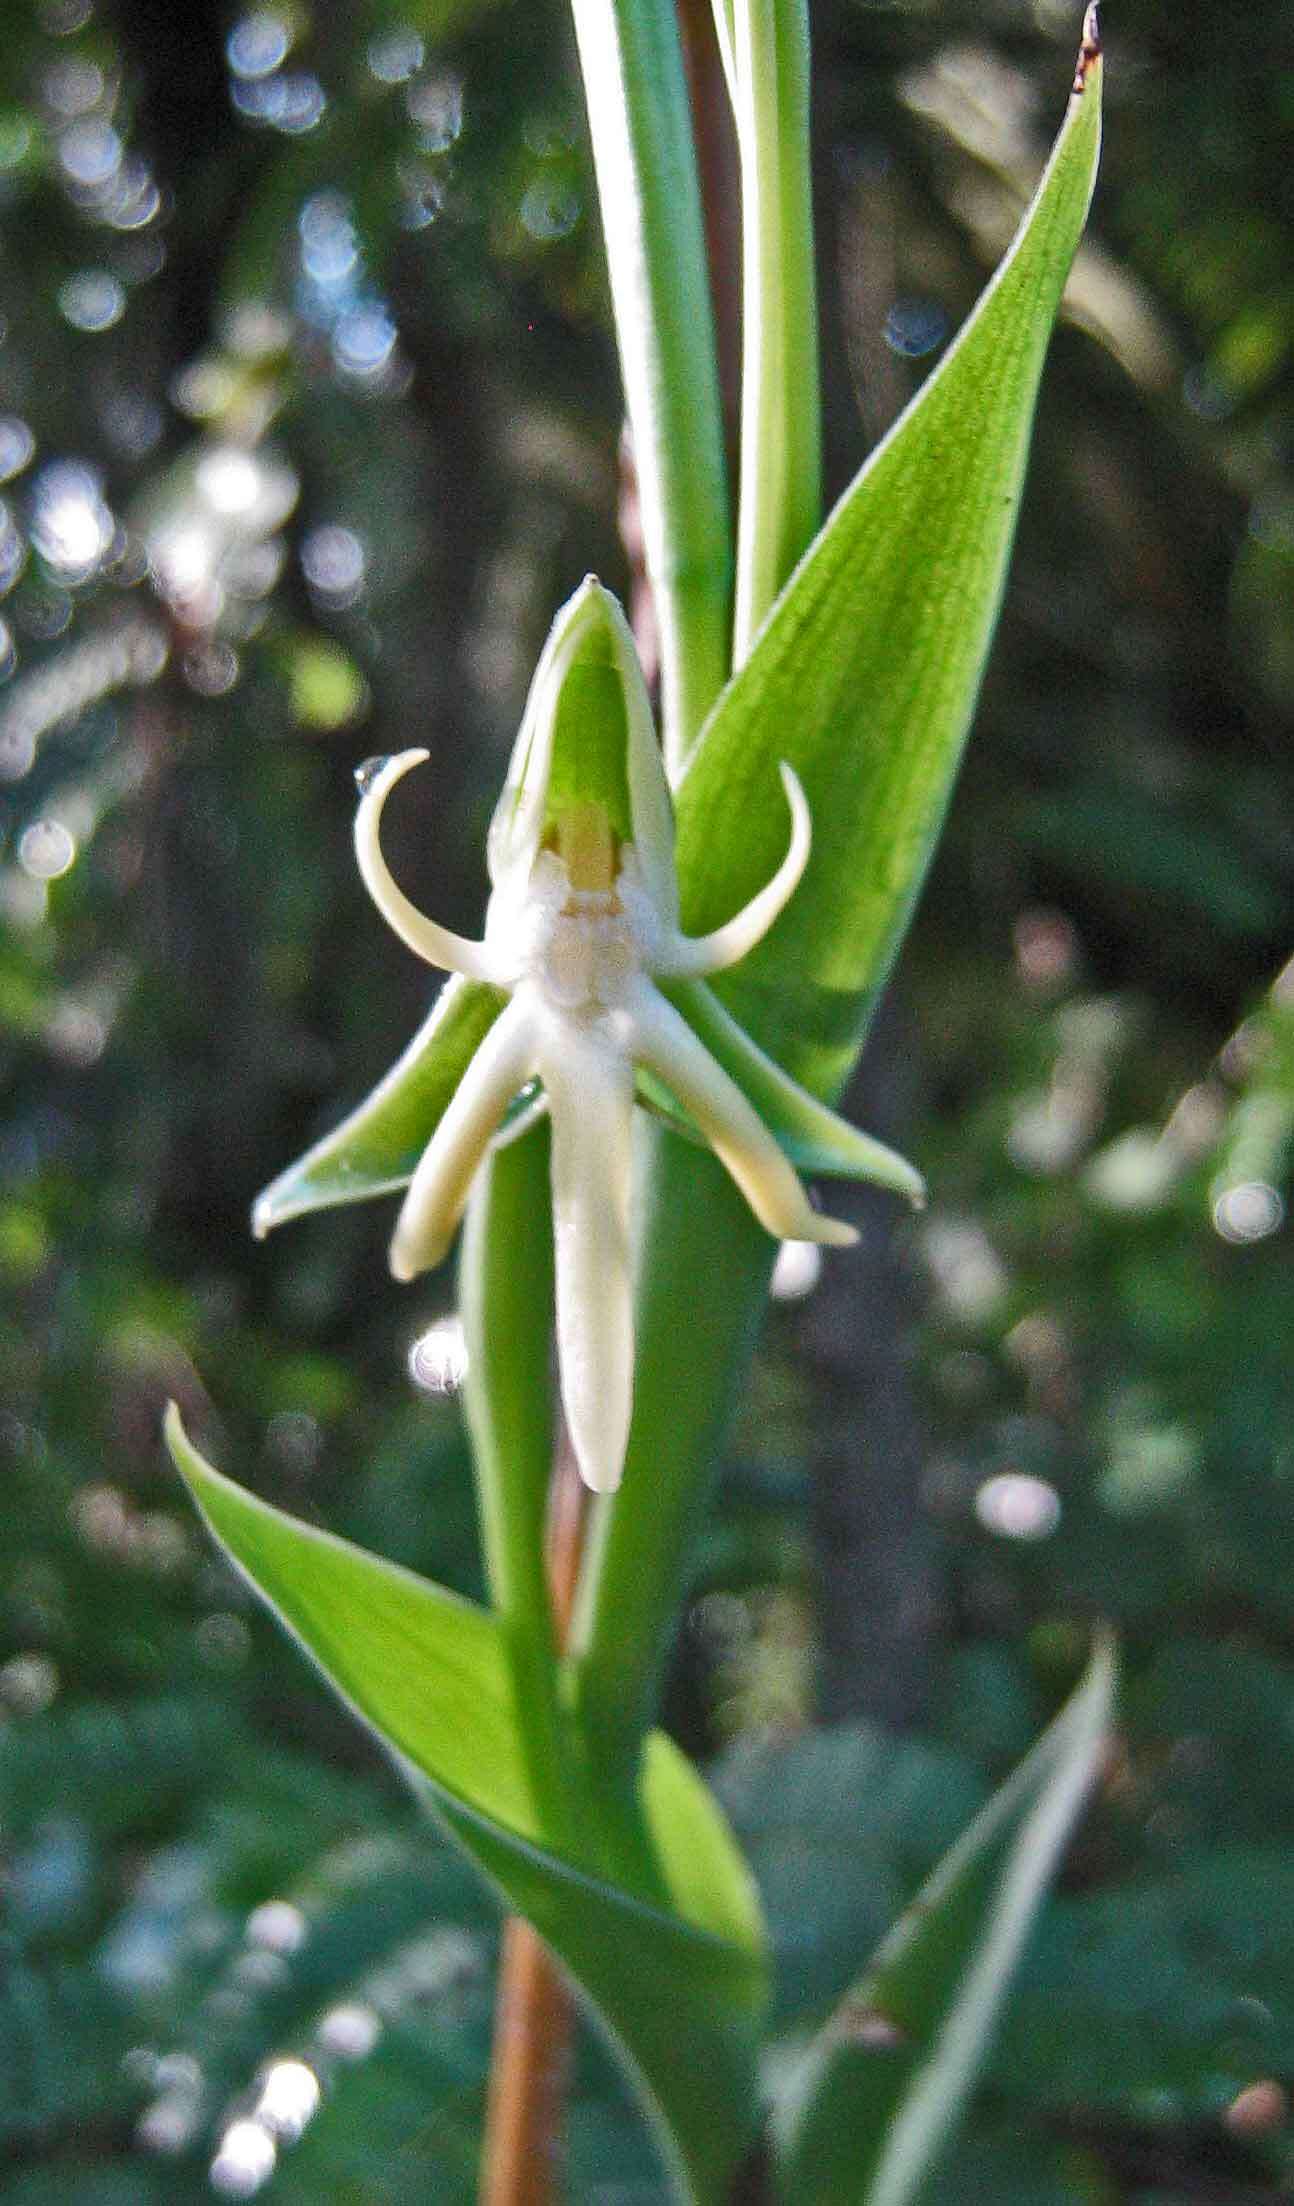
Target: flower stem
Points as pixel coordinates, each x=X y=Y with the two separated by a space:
x=779 y=508
x=533 y=2016
x=647 y=182
x=505 y=1292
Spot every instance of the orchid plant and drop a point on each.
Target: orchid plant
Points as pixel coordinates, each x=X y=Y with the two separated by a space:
x=624 y=1142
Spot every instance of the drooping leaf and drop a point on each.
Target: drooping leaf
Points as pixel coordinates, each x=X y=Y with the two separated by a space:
x=865 y=676
x=885 y=2083
x=374 y=1150
x=430 y=1671
x=646 y=1900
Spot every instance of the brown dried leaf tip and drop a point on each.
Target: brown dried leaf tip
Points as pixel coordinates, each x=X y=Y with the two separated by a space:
x=1090 y=50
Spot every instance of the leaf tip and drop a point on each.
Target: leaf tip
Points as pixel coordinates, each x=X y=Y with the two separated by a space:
x=179 y=1447
x=197 y=1474
x=1089 y=53
x=1103 y=1662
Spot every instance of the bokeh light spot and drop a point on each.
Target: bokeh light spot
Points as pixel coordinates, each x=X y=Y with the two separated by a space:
x=92 y=300
x=46 y=850
x=1247 y=1211
x=1017 y=1506
x=257 y=44
x=245 y=2161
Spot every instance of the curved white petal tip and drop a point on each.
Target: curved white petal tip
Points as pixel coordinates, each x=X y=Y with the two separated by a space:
x=600 y=1473
x=728 y=944
x=665 y=1043
x=452 y=953
x=833 y=1233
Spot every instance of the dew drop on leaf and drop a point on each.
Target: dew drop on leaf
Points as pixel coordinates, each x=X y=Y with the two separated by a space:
x=367 y=771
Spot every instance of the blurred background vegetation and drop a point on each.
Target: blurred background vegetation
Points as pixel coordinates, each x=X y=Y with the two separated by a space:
x=308 y=420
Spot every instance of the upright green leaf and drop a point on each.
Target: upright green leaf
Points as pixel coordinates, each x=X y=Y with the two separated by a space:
x=866 y=674
x=505 y=1296
x=886 y=2082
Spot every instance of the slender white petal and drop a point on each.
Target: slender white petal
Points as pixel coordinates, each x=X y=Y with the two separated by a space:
x=453 y=953
x=709 y=953
x=663 y=1041
x=590 y=1087
x=438 y=1190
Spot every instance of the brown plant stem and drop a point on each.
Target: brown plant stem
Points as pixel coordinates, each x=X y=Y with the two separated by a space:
x=533 y=2014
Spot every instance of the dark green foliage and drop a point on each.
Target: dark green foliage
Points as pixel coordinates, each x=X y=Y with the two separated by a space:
x=840 y=1827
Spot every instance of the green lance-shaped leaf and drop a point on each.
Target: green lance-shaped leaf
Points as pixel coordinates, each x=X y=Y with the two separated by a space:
x=644 y=1897
x=884 y=2085
x=865 y=676
x=681 y=2005
x=375 y=1150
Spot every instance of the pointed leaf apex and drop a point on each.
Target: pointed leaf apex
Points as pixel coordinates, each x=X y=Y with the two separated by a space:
x=1089 y=53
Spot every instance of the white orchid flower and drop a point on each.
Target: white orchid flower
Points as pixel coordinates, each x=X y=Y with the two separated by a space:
x=582 y=923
